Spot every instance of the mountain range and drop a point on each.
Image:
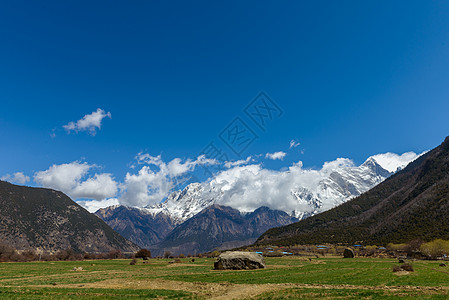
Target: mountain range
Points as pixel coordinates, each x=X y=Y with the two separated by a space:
x=381 y=200
x=318 y=191
x=411 y=204
x=197 y=219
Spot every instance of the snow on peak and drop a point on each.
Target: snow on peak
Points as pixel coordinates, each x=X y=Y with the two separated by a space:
x=393 y=162
x=182 y=205
x=301 y=192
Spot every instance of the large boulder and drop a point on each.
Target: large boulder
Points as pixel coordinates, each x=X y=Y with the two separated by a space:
x=348 y=253
x=238 y=260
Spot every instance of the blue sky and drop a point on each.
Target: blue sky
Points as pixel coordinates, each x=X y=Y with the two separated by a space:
x=352 y=79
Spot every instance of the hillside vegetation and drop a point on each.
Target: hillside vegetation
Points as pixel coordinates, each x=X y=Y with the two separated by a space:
x=38 y=218
x=412 y=204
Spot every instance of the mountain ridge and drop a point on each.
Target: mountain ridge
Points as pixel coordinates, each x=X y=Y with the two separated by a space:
x=413 y=203
x=159 y=226
x=334 y=187
x=45 y=219
x=216 y=225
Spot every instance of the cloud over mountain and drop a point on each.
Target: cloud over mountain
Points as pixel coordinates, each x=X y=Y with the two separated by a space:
x=156 y=178
x=392 y=161
x=94 y=205
x=250 y=187
x=74 y=180
x=245 y=184
x=17 y=177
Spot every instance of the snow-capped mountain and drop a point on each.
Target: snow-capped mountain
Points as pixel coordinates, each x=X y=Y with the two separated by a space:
x=411 y=205
x=297 y=193
x=329 y=188
x=338 y=187
x=182 y=205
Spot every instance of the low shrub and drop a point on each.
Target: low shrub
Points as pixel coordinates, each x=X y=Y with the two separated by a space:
x=397 y=268
x=143 y=253
x=407 y=267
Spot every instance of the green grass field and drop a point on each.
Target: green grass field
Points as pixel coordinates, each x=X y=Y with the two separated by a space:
x=284 y=278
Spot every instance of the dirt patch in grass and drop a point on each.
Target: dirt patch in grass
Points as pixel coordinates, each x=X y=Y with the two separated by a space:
x=203 y=289
x=318 y=262
x=183 y=265
x=199 y=288
x=283 y=266
x=233 y=291
x=71 y=274
x=401 y=273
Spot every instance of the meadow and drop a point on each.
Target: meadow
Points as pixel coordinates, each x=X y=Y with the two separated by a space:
x=284 y=278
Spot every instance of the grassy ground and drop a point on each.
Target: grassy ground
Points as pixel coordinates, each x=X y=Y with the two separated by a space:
x=284 y=278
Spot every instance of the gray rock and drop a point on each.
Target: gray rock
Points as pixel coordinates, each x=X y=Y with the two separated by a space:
x=348 y=253
x=238 y=260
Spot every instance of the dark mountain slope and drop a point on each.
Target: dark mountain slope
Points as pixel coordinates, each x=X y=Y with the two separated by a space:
x=37 y=218
x=413 y=203
x=222 y=226
x=144 y=229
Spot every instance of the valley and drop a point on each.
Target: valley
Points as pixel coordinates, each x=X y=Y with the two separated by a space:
x=285 y=277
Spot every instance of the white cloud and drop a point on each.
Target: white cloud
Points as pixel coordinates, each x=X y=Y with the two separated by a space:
x=94 y=205
x=339 y=163
x=100 y=186
x=156 y=179
x=90 y=122
x=276 y=155
x=230 y=164
x=392 y=161
x=17 y=177
x=249 y=187
x=242 y=185
x=294 y=144
x=68 y=178
x=62 y=177
x=145 y=187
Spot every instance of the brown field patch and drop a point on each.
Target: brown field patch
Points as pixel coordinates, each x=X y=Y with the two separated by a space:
x=232 y=291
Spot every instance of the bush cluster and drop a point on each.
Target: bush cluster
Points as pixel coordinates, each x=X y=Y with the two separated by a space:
x=9 y=254
x=143 y=253
x=435 y=249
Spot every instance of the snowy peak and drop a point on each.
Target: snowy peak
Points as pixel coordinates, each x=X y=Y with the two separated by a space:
x=186 y=194
x=375 y=167
x=182 y=205
x=393 y=162
x=307 y=192
x=335 y=184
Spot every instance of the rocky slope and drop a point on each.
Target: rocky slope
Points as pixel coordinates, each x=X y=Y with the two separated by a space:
x=413 y=203
x=138 y=225
x=37 y=218
x=221 y=227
